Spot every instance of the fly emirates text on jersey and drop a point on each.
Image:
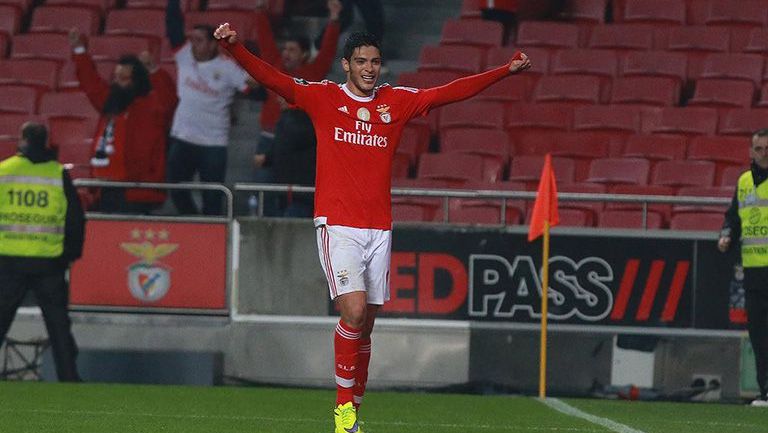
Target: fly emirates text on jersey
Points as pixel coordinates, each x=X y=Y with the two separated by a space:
x=361 y=135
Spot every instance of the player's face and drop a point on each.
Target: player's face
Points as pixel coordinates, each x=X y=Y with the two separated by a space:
x=759 y=151
x=293 y=56
x=362 y=70
x=203 y=48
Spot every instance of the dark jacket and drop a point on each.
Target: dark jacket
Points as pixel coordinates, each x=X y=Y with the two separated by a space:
x=74 y=226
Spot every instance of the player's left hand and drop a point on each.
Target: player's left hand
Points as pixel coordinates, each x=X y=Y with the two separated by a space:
x=225 y=32
x=519 y=63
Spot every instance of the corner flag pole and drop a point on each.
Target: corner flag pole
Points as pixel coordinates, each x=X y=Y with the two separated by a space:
x=543 y=337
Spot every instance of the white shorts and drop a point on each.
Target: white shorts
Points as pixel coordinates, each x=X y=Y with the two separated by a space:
x=355 y=260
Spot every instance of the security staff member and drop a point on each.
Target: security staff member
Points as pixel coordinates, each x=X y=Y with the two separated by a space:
x=42 y=229
x=746 y=222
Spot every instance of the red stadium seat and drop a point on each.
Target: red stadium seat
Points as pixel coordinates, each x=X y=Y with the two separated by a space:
x=51 y=46
x=527 y=169
x=401 y=165
x=730 y=176
x=515 y=89
x=451 y=167
x=10 y=20
x=583 y=147
x=473 y=114
x=431 y=207
x=599 y=63
x=23 y=6
x=427 y=79
x=99 y=6
x=703 y=191
x=459 y=58
x=614 y=171
x=698 y=42
x=138 y=22
x=663 y=209
x=246 y=5
x=491 y=144
x=683 y=173
x=548 y=35
x=186 y=6
x=572 y=218
x=4 y=44
x=540 y=143
x=574 y=89
x=487 y=211
x=60 y=19
x=607 y=118
x=112 y=47
x=414 y=212
x=657 y=12
x=724 y=151
x=723 y=94
x=624 y=37
x=763 y=102
x=73 y=139
x=757 y=42
x=10 y=125
x=471 y=9
x=523 y=119
x=697 y=221
x=414 y=141
x=742 y=121
x=67 y=104
x=586 y=11
x=34 y=72
x=629 y=219
x=651 y=91
x=241 y=21
x=748 y=67
x=742 y=13
x=590 y=208
x=656 y=147
x=472 y=32
x=682 y=120
x=17 y=98
x=656 y=64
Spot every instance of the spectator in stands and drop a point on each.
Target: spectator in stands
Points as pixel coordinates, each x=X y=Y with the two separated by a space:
x=207 y=83
x=293 y=59
x=131 y=136
x=42 y=230
x=372 y=12
x=745 y=224
x=294 y=157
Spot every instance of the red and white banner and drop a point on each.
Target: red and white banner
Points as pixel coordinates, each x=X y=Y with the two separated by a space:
x=152 y=264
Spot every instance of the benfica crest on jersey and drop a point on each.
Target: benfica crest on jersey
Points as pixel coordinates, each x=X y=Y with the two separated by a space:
x=384 y=114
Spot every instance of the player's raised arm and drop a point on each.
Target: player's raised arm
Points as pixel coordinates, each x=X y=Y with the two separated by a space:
x=467 y=87
x=260 y=70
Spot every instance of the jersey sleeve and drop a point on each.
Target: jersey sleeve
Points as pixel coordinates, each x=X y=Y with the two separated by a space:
x=262 y=71
x=423 y=100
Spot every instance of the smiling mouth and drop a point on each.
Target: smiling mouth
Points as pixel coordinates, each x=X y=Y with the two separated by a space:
x=368 y=78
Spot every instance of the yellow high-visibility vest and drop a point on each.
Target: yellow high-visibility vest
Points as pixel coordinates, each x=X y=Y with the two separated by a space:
x=753 y=211
x=33 y=208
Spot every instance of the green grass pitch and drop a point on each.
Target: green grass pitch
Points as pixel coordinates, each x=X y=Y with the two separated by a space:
x=84 y=408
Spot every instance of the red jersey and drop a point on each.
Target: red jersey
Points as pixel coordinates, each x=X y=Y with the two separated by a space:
x=357 y=136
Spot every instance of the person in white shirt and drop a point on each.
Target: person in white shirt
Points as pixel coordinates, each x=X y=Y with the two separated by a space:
x=206 y=84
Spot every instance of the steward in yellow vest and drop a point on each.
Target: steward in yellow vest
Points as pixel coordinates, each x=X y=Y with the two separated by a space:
x=42 y=230
x=746 y=224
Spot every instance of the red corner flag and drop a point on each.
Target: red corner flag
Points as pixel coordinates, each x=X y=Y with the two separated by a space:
x=545 y=206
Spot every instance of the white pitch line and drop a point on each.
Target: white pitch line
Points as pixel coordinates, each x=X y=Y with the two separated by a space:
x=567 y=409
x=463 y=427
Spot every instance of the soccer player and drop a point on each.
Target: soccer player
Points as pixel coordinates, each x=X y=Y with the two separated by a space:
x=358 y=126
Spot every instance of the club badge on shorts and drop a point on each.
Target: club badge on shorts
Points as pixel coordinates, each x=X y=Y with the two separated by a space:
x=343 y=277
x=384 y=114
x=363 y=114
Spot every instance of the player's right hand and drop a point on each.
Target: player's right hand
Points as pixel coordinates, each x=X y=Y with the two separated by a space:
x=519 y=62
x=724 y=243
x=225 y=32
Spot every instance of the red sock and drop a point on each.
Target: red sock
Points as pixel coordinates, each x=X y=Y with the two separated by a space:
x=361 y=372
x=346 y=344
